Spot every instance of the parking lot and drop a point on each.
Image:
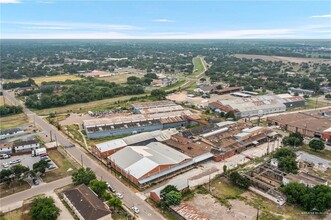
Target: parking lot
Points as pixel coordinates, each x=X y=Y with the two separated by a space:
x=26 y=160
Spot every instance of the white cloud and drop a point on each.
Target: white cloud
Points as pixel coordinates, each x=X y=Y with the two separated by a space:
x=321 y=16
x=163 y=20
x=9 y=1
x=75 y=25
x=48 y=28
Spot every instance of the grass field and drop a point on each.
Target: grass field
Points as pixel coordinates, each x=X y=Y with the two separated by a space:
x=63 y=165
x=84 y=107
x=120 y=78
x=13 y=121
x=198 y=66
x=39 y=80
x=2 y=101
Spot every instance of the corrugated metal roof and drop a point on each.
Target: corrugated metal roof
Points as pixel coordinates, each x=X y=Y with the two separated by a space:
x=111 y=145
x=142 y=159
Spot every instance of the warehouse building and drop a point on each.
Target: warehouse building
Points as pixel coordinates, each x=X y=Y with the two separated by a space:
x=300 y=91
x=249 y=107
x=136 y=123
x=310 y=124
x=144 y=164
x=291 y=101
x=103 y=150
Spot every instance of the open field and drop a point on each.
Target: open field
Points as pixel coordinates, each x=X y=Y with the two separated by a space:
x=63 y=166
x=39 y=80
x=4 y=101
x=13 y=121
x=311 y=104
x=283 y=59
x=198 y=66
x=85 y=107
x=120 y=78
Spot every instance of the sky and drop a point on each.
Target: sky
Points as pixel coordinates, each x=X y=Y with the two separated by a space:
x=162 y=19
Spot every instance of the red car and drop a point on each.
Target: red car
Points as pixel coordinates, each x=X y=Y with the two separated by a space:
x=43 y=155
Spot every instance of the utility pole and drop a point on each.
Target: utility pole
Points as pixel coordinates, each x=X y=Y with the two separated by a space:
x=81 y=159
x=209 y=183
x=50 y=134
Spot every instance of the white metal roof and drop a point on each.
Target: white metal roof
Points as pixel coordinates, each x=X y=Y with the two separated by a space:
x=111 y=145
x=139 y=160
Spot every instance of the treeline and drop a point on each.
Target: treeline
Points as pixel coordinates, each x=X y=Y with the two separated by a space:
x=80 y=91
x=260 y=74
x=14 y=85
x=146 y=80
x=9 y=109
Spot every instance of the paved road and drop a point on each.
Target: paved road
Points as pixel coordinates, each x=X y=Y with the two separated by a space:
x=15 y=201
x=130 y=198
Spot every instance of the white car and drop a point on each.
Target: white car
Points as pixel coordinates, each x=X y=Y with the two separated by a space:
x=119 y=195
x=5 y=165
x=135 y=209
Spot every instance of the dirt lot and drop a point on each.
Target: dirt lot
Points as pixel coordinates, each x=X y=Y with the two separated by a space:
x=121 y=78
x=4 y=101
x=209 y=208
x=283 y=59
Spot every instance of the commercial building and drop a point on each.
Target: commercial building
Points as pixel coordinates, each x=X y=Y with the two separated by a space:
x=249 y=107
x=103 y=150
x=25 y=146
x=85 y=204
x=310 y=124
x=327 y=135
x=144 y=164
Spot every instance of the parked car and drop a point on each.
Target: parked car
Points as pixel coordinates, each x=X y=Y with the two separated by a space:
x=35 y=181
x=15 y=162
x=4 y=156
x=5 y=165
x=119 y=195
x=43 y=155
x=135 y=209
x=51 y=166
x=112 y=189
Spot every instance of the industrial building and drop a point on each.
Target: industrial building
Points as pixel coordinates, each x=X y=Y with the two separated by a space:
x=300 y=91
x=135 y=123
x=143 y=164
x=291 y=101
x=249 y=107
x=103 y=150
x=149 y=116
x=310 y=124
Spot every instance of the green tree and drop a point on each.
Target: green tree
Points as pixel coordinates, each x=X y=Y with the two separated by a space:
x=239 y=180
x=40 y=166
x=286 y=160
x=114 y=202
x=19 y=170
x=98 y=186
x=44 y=208
x=294 y=139
x=158 y=93
x=83 y=176
x=167 y=189
x=172 y=198
x=316 y=144
x=5 y=175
